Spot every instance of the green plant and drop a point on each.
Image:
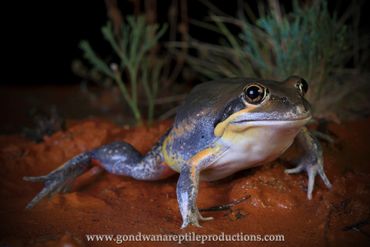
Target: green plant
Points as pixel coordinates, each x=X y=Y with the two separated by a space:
x=308 y=41
x=137 y=66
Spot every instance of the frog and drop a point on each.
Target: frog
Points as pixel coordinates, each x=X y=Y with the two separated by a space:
x=222 y=127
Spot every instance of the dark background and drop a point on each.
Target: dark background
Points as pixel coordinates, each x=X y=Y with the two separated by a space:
x=40 y=38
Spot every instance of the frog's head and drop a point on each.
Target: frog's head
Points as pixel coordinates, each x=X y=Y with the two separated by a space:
x=267 y=103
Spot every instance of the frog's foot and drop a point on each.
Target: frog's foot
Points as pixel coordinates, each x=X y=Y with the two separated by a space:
x=311 y=161
x=59 y=180
x=53 y=184
x=192 y=218
x=312 y=170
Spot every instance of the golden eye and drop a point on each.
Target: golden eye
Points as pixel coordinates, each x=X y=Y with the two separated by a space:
x=255 y=94
x=302 y=86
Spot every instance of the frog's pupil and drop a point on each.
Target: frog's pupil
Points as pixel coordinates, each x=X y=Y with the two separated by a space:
x=253 y=92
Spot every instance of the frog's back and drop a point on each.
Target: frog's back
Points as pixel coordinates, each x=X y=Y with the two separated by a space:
x=209 y=98
x=196 y=118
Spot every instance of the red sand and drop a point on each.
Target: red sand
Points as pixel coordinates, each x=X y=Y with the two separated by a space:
x=109 y=204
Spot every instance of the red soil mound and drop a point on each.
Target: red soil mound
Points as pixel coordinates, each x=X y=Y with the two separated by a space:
x=274 y=202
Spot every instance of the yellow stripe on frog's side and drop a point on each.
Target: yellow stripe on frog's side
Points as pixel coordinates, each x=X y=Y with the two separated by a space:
x=170 y=161
x=175 y=161
x=220 y=127
x=197 y=159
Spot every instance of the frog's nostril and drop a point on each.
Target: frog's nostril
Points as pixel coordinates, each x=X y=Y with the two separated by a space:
x=302 y=108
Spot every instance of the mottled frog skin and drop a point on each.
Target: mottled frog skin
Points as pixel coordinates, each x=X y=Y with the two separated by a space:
x=223 y=126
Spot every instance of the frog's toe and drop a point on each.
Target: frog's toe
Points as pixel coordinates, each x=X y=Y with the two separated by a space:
x=296 y=169
x=35 y=179
x=204 y=218
x=324 y=178
x=41 y=195
x=52 y=186
x=318 y=169
x=311 y=181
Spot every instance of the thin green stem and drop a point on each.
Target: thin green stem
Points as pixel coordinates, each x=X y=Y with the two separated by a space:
x=132 y=47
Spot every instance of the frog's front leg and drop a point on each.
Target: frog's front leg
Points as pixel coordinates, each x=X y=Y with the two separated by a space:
x=312 y=160
x=188 y=183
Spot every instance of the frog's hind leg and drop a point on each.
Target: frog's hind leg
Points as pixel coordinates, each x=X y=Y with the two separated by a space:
x=121 y=158
x=118 y=158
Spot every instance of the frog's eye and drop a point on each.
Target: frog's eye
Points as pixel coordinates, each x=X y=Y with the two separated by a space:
x=254 y=94
x=302 y=86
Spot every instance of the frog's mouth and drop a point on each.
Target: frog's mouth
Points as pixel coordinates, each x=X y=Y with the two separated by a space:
x=296 y=121
x=251 y=121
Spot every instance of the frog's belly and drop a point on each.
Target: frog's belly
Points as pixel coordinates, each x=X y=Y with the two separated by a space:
x=255 y=147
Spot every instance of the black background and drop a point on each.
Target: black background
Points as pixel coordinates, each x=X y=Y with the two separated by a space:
x=39 y=39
